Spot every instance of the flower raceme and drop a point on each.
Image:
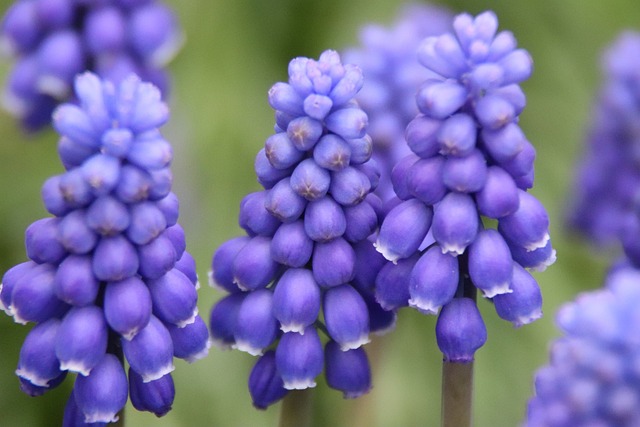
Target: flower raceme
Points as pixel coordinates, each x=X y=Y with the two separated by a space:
x=470 y=166
x=305 y=253
x=108 y=274
x=53 y=40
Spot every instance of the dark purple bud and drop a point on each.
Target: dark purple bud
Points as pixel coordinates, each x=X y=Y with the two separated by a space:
x=256 y=327
x=33 y=390
x=361 y=149
x=465 y=174
x=399 y=176
x=332 y=152
x=521 y=166
x=150 y=152
x=424 y=180
x=114 y=259
x=362 y=221
x=265 y=383
x=254 y=217
x=281 y=151
x=73 y=416
x=499 y=197
x=528 y=226
x=433 y=281
x=296 y=300
x=9 y=280
x=253 y=266
x=403 y=230
x=102 y=173
x=150 y=352
x=103 y=393
x=299 y=359
x=147 y=222
x=392 y=283
x=347 y=371
x=333 y=262
x=127 y=306
x=41 y=241
x=107 y=216
x=368 y=264
x=524 y=304
x=38 y=363
x=223 y=320
x=304 y=132
x=105 y=30
x=82 y=339
x=537 y=259
x=346 y=317
x=349 y=186
x=267 y=175
x=175 y=234
x=457 y=135
x=291 y=245
x=283 y=97
x=190 y=342
x=154 y=396
x=348 y=122
x=490 y=263
x=52 y=197
x=493 y=111
x=284 y=203
x=455 y=223
x=440 y=99
x=61 y=57
x=460 y=330
x=324 y=220
x=33 y=298
x=421 y=135
x=317 y=106
x=310 y=180
x=504 y=143
x=187 y=265
x=221 y=274
x=74 y=233
x=174 y=298
x=74 y=282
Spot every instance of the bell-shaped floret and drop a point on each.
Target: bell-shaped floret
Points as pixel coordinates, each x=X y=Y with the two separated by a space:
x=346 y=317
x=535 y=260
x=222 y=264
x=157 y=257
x=291 y=245
x=153 y=396
x=466 y=174
x=499 y=196
x=333 y=262
x=147 y=222
x=349 y=186
x=74 y=282
x=490 y=263
x=439 y=99
x=299 y=359
x=324 y=220
x=284 y=203
x=421 y=135
x=254 y=217
x=362 y=221
x=349 y=122
x=114 y=259
x=253 y=267
x=265 y=383
x=528 y=226
x=392 y=283
x=82 y=339
x=101 y=172
x=267 y=175
x=42 y=243
x=150 y=351
x=256 y=327
x=38 y=363
x=33 y=298
x=455 y=223
x=457 y=135
x=347 y=371
x=310 y=180
x=433 y=281
x=107 y=216
x=9 y=280
x=524 y=304
x=190 y=342
x=424 y=180
x=296 y=300
x=460 y=330
x=127 y=306
x=174 y=298
x=75 y=234
x=35 y=390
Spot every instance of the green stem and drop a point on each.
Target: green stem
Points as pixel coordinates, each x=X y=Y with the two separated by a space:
x=457 y=394
x=296 y=409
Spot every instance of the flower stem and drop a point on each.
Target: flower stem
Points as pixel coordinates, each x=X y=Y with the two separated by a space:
x=295 y=410
x=457 y=394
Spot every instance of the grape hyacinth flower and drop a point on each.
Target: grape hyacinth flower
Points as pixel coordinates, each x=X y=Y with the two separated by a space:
x=393 y=75
x=53 y=40
x=305 y=264
x=592 y=376
x=470 y=167
x=108 y=277
x=605 y=204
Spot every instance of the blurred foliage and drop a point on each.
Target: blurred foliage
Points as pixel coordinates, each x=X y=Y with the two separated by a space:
x=220 y=118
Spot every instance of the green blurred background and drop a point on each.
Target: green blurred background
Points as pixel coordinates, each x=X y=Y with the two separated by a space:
x=235 y=51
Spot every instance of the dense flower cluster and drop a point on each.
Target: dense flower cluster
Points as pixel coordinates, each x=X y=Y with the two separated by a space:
x=304 y=264
x=108 y=274
x=605 y=201
x=471 y=167
x=53 y=40
x=393 y=75
x=593 y=374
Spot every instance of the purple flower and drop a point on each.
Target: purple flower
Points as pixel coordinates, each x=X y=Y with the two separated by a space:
x=470 y=166
x=295 y=272
x=52 y=41
x=592 y=375
x=105 y=278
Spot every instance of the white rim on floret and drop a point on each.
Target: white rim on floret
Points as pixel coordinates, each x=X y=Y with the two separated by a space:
x=53 y=86
x=390 y=328
x=189 y=320
x=13 y=104
x=525 y=319
x=386 y=253
x=424 y=306
x=168 y=50
x=539 y=244
x=148 y=377
x=293 y=327
x=200 y=354
x=248 y=348
x=451 y=249
x=357 y=343
x=542 y=265
x=300 y=384
x=16 y=316
x=222 y=345
x=498 y=289
x=75 y=366
x=32 y=377
x=101 y=417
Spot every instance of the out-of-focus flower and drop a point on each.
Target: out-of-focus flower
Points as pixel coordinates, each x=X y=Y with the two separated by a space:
x=305 y=265
x=470 y=167
x=105 y=278
x=592 y=376
x=54 y=40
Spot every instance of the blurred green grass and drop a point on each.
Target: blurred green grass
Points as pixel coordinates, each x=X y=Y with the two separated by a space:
x=220 y=118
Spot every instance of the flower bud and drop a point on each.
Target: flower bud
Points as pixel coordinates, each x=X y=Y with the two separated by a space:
x=299 y=359
x=101 y=172
x=75 y=234
x=256 y=327
x=455 y=223
x=457 y=135
x=499 y=196
x=362 y=221
x=107 y=216
x=421 y=135
x=265 y=383
x=296 y=300
x=150 y=351
x=81 y=342
x=253 y=266
x=267 y=175
x=348 y=122
x=291 y=245
x=114 y=259
x=403 y=230
x=424 y=180
x=223 y=319
x=127 y=306
x=333 y=262
x=74 y=281
x=174 y=298
x=156 y=257
x=440 y=99
x=33 y=298
x=222 y=264
x=346 y=317
x=528 y=226
x=190 y=342
x=392 y=283
x=399 y=175
x=524 y=304
x=324 y=220
x=347 y=371
x=490 y=263
x=153 y=396
x=42 y=243
x=433 y=281
x=9 y=280
x=38 y=363
x=465 y=174
x=281 y=152
x=284 y=203
x=349 y=186
x=460 y=330
x=147 y=222
x=310 y=180
x=304 y=132
x=332 y=152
